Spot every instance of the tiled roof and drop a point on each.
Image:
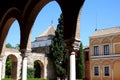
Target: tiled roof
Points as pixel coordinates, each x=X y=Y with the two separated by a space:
x=49 y=31
x=108 y=31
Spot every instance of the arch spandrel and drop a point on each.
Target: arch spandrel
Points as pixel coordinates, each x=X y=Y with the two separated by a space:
x=116 y=39
x=95 y=41
x=106 y=62
x=105 y=40
x=95 y=62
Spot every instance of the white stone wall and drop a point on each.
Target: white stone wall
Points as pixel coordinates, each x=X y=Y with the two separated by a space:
x=19 y=59
x=31 y=58
x=41 y=43
x=47 y=63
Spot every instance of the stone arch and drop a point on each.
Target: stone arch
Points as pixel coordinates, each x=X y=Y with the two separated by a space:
x=41 y=65
x=116 y=39
x=70 y=18
x=14 y=60
x=105 y=40
x=30 y=13
x=116 y=70
x=11 y=15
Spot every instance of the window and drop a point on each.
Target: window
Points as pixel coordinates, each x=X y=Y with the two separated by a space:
x=86 y=56
x=96 y=70
x=106 y=70
x=106 y=49
x=96 y=50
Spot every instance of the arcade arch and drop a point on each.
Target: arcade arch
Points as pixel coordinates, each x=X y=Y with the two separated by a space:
x=26 y=13
x=45 y=19
x=39 y=69
x=8 y=19
x=11 y=65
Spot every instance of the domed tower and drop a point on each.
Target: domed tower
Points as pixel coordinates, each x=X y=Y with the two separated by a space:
x=43 y=41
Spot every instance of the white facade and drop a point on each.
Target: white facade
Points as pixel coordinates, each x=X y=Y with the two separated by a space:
x=41 y=43
x=45 y=38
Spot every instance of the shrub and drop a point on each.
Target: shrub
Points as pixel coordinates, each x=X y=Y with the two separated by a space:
x=30 y=72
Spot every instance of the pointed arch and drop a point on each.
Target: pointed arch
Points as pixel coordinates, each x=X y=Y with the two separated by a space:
x=11 y=15
x=30 y=14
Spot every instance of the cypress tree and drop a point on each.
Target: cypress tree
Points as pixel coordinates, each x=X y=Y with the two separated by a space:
x=80 y=66
x=57 y=50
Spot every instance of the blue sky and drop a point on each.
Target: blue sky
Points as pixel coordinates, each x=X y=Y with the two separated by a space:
x=104 y=13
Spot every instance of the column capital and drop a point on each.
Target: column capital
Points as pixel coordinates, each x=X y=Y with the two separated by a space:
x=72 y=45
x=24 y=52
x=76 y=45
x=72 y=53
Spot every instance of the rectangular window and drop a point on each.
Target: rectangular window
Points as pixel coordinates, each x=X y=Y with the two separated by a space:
x=96 y=50
x=106 y=70
x=106 y=49
x=96 y=70
x=86 y=56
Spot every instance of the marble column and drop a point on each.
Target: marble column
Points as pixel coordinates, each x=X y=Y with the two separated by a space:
x=24 y=64
x=72 y=66
x=24 y=69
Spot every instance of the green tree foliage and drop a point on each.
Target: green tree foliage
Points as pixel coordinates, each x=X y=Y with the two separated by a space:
x=30 y=72
x=57 y=50
x=8 y=67
x=8 y=45
x=80 y=66
x=37 y=69
x=17 y=46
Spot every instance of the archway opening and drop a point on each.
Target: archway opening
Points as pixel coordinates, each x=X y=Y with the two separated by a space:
x=38 y=69
x=45 y=20
x=13 y=37
x=11 y=67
